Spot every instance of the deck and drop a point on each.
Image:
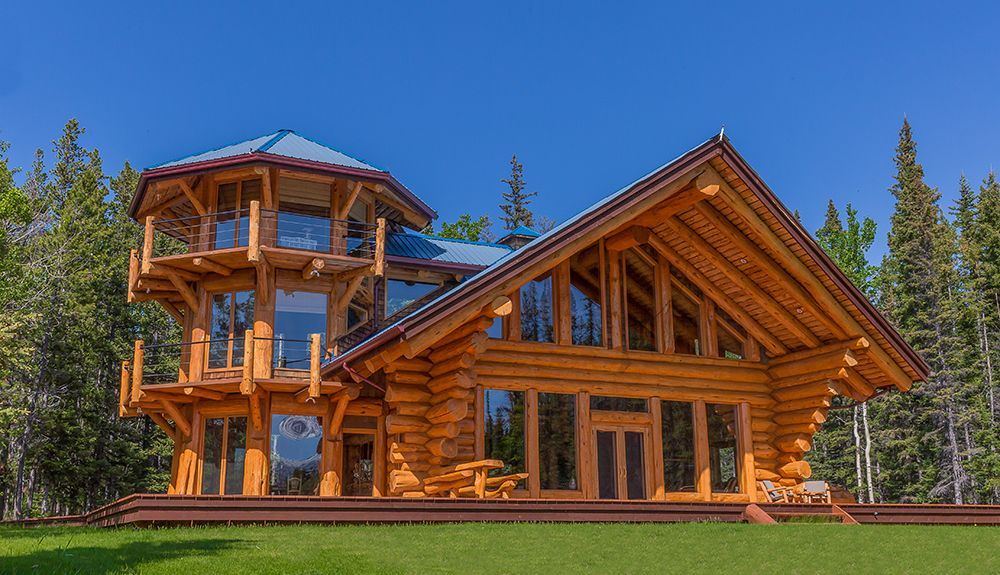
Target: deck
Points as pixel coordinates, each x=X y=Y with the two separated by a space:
x=146 y=510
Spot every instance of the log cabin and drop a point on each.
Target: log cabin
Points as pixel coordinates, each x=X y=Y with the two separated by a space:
x=680 y=340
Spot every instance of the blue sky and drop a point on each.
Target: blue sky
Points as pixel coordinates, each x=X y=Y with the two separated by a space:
x=589 y=95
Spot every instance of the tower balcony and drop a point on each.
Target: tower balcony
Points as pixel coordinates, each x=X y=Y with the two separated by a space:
x=182 y=249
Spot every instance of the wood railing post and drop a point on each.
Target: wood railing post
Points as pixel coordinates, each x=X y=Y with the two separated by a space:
x=124 y=395
x=133 y=274
x=380 y=248
x=137 y=357
x=147 y=245
x=247 y=384
x=314 y=364
x=253 y=243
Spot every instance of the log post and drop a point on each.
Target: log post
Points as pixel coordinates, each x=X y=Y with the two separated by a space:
x=314 y=365
x=147 y=245
x=123 y=391
x=137 y=356
x=253 y=242
x=380 y=248
x=247 y=383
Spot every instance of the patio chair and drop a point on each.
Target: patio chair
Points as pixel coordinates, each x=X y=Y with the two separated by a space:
x=814 y=492
x=472 y=480
x=776 y=493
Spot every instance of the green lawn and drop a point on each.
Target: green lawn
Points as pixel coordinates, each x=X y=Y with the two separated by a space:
x=549 y=549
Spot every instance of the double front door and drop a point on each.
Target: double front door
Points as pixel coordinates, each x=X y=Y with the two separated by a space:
x=621 y=461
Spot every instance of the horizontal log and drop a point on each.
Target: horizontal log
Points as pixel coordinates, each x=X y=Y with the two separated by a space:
x=443 y=447
x=405 y=424
x=458 y=362
x=400 y=480
x=410 y=408
x=409 y=377
x=805 y=403
x=794 y=443
x=805 y=390
x=417 y=364
x=462 y=378
x=856 y=344
x=762 y=425
x=811 y=377
x=807 y=428
x=765 y=475
x=473 y=343
x=816 y=415
x=477 y=324
x=450 y=429
x=452 y=393
x=829 y=360
x=451 y=410
x=396 y=393
x=762 y=437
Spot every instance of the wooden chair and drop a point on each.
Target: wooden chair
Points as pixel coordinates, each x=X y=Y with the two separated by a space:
x=813 y=492
x=776 y=493
x=472 y=480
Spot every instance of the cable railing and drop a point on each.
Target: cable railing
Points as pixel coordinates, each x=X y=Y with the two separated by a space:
x=289 y=353
x=320 y=234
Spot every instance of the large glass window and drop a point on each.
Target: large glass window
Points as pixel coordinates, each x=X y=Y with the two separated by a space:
x=677 y=426
x=686 y=306
x=232 y=227
x=585 y=297
x=297 y=315
x=724 y=459
x=536 y=310
x=296 y=449
x=504 y=428
x=361 y=307
x=607 y=403
x=304 y=220
x=223 y=455
x=232 y=315
x=640 y=299
x=402 y=293
x=557 y=441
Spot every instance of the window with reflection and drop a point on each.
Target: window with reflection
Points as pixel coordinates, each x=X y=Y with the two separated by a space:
x=723 y=451
x=730 y=335
x=686 y=308
x=296 y=450
x=304 y=220
x=232 y=221
x=358 y=464
x=297 y=315
x=608 y=403
x=503 y=433
x=231 y=316
x=401 y=293
x=677 y=426
x=536 y=310
x=557 y=441
x=585 y=297
x=223 y=455
x=639 y=277
x=362 y=306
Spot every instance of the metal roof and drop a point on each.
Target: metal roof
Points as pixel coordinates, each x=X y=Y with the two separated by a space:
x=424 y=247
x=524 y=231
x=281 y=143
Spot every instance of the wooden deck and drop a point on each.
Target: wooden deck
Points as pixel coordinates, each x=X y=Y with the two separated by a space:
x=146 y=510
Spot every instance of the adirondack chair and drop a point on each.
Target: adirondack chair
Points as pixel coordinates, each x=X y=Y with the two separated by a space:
x=472 y=480
x=813 y=492
x=775 y=493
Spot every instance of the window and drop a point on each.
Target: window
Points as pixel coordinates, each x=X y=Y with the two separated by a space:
x=536 y=310
x=232 y=226
x=677 y=426
x=504 y=428
x=639 y=277
x=686 y=306
x=495 y=331
x=402 y=293
x=730 y=335
x=304 y=220
x=297 y=315
x=296 y=448
x=557 y=441
x=358 y=464
x=223 y=454
x=232 y=315
x=605 y=403
x=360 y=309
x=585 y=297
x=722 y=448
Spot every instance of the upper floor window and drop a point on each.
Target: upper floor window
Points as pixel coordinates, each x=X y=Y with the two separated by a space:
x=536 y=310
x=731 y=336
x=639 y=275
x=585 y=297
x=361 y=308
x=297 y=315
x=232 y=315
x=401 y=293
x=686 y=314
x=232 y=225
x=304 y=218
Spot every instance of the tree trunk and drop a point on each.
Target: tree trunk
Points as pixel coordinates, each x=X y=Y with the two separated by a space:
x=957 y=473
x=868 y=453
x=857 y=455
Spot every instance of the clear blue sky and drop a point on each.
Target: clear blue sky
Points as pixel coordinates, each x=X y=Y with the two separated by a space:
x=588 y=95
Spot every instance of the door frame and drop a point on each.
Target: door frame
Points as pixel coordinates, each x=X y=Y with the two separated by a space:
x=619 y=429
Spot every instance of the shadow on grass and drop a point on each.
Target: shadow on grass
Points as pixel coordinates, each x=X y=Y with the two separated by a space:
x=126 y=558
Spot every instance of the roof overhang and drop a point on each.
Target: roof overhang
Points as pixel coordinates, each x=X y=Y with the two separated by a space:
x=470 y=297
x=264 y=158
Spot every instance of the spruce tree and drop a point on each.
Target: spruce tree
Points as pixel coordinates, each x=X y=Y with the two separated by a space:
x=515 y=201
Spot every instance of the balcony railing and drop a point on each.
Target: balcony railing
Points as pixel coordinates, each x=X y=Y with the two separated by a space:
x=254 y=227
x=247 y=359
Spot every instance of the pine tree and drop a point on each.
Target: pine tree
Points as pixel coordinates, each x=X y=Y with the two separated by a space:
x=515 y=201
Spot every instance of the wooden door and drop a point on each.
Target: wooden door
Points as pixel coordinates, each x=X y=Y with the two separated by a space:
x=622 y=462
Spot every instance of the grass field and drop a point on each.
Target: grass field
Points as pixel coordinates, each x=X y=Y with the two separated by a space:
x=549 y=549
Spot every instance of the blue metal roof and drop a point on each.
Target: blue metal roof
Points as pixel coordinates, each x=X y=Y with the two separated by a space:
x=525 y=231
x=281 y=143
x=420 y=246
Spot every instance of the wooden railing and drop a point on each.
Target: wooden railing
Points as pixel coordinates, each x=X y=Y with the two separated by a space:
x=189 y=362
x=255 y=227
